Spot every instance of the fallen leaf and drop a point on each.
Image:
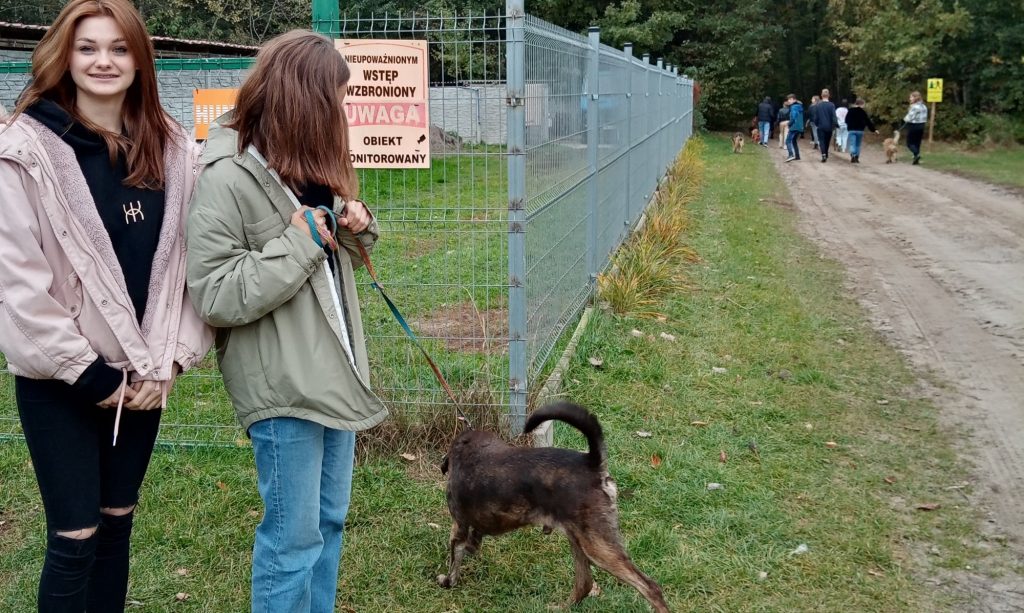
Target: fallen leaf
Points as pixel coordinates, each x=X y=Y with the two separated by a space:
x=655 y=461
x=761 y=576
x=718 y=370
x=409 y=456
x=801 y=549
x=831 y=444
x=875 y=573
x=715 y=486
x=434 y=526
x=254 y=513
x=222 y=486
x=809 y=426
x=182 y=572
x=661 y=318
x=722 y=457
x=596 y=362
x=699 y=424
x=928 y=506
x=890 y=480
x=134 y=603
x=643 y=434
x=182 y=596
x=757 y=403
x=882 y=401
x=667 y=336
x=636 y=333
x=784 y=374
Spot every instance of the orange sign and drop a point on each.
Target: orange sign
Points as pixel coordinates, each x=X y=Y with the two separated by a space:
x=386 y=103
x=208 y=105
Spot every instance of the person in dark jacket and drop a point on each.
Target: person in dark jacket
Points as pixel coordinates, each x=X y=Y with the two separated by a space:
x=809 y=118
x=856 y=121
x=765 y=119
x=796 y=127
x=824 y=117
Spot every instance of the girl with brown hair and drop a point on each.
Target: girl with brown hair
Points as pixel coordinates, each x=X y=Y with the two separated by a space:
x=269 y=267
x=94 y=182
x=915 y=121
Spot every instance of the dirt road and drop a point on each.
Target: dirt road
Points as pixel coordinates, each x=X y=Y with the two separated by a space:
x=938 y=260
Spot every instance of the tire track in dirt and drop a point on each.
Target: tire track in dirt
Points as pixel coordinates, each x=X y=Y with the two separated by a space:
x=938 y=261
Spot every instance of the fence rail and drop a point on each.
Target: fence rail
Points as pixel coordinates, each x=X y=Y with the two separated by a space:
x=547 y=145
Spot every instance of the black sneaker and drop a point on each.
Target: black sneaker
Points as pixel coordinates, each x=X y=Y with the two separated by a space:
x=917 y=160
x=824 y=159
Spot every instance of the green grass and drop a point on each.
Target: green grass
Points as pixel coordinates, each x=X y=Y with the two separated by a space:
x=997 y=165
x=765 y=301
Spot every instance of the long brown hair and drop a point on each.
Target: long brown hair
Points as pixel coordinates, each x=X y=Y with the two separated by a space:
x=147 y=126
x=290 y=108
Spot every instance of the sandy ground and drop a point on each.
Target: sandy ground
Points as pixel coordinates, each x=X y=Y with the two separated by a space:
x=938 y=261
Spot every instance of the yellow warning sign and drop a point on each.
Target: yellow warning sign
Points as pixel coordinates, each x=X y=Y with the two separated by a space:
x=934 y=90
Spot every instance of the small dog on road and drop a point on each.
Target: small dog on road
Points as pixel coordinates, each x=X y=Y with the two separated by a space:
x=737 y=143
x=494 y=488
x=891 y=147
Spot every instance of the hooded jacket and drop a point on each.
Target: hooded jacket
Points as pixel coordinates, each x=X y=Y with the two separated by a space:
x=264 y=284
x=64 y=304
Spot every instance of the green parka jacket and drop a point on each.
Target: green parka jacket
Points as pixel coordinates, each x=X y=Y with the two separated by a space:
x=266 y=287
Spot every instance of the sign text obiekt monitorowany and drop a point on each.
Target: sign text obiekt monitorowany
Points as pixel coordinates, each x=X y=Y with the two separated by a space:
x=386 y=103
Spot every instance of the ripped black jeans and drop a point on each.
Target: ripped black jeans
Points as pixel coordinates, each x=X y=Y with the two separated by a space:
x=78 y=472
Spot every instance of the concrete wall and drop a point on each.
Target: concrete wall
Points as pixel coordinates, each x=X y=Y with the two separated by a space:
x=476 y=112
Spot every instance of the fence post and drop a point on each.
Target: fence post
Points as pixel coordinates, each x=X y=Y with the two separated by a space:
x=627 y=53
x=593 y=121
x=515 y=71
x=325 y=15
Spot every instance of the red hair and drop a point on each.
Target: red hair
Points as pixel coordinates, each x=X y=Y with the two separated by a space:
x=290 y=108
x=147 y=126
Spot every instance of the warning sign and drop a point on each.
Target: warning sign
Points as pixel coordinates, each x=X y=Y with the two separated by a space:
x=934 y=90
x=208 y=105
x=386 y=104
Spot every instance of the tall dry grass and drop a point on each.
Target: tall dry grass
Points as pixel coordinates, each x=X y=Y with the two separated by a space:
x=649 y=264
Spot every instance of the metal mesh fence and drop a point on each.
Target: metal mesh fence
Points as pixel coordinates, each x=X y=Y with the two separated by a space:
x=546 y=146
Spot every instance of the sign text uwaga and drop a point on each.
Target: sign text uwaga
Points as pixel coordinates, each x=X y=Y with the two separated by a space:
x=386 y=104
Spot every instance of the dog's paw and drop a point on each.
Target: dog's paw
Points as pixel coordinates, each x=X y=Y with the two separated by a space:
x=444 y=581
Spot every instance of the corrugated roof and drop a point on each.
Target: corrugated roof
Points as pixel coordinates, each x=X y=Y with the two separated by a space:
x=35 y=32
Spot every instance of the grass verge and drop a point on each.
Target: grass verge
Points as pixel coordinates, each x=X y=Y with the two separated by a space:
x=995 y=165
x=801 y=368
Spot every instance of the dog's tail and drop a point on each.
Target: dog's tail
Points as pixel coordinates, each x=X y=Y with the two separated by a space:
x=577 y=417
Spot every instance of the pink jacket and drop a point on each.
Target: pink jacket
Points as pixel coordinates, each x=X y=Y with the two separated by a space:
x=63 y=299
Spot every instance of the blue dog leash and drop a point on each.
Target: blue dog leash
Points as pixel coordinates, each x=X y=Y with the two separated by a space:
x=375 y=282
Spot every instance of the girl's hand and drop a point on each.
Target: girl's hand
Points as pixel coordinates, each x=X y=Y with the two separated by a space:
x=111 y=400
x=147 y=396
x=298 y=219
x=356 y=218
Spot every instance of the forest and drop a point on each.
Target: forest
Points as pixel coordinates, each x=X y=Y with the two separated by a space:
x=739 y=50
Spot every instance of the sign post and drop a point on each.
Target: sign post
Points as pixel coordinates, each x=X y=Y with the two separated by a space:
x=934 y=95
x=386 y=104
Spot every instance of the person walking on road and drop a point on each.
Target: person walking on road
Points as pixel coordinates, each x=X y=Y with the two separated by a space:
x=796 y=127
x=841 y=129
x=765 y=119
x=813 y=129
x=823 y=115
x=914 y=121
x=856 y=121
x=783 y=124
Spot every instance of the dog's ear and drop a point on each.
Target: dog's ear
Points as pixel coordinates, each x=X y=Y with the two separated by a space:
x=444 y=465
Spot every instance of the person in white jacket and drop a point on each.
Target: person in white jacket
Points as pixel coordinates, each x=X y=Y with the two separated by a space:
x=95 y=179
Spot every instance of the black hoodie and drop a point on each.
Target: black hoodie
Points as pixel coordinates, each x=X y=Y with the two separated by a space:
x=132 y=217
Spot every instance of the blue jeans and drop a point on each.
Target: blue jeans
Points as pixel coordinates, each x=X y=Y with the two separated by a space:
x=855 y=138
x=792 y=145
x=765 y=127
x=304 y=473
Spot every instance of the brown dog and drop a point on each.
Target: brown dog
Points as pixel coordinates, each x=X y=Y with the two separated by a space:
x=494 y=488
x=737 y=143
x=891 y=147
x=755 y=135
